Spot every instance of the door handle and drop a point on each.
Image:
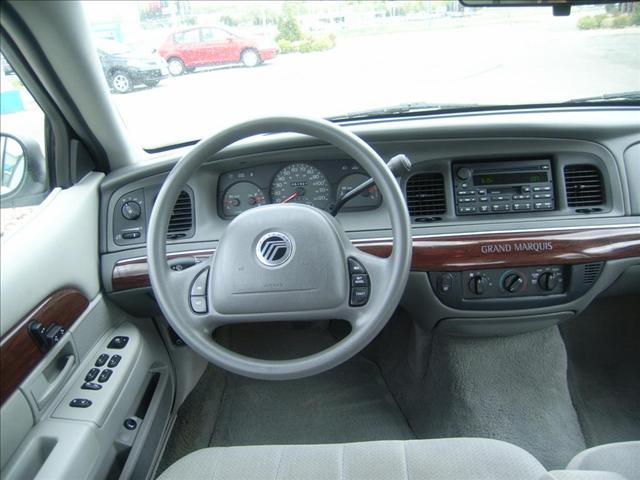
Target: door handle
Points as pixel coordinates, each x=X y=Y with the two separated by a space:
x=56 y=383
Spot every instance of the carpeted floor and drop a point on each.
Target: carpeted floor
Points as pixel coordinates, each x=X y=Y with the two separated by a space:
x=411 y=384
x=508 y=388
x=349 y=403
x=604 y=369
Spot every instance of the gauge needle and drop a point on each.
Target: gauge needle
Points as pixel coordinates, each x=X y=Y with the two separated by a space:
x=290 y=197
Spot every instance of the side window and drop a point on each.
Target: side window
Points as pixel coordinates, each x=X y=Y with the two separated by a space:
x=213 y=35
x=24 y=182
x=190 y=36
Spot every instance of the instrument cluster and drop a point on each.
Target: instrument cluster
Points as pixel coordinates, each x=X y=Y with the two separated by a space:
x=318 y=184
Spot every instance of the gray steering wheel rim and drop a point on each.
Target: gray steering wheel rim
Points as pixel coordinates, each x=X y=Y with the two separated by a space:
x=397 y=267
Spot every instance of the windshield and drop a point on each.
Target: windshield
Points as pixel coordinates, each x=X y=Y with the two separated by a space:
x=333 y=59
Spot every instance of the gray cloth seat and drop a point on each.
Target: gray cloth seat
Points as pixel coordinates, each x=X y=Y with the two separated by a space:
x=437 y=459
x=622 y=458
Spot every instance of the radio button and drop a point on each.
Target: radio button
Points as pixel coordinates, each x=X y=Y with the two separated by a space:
x=466 y=192
x=525 y=189
x=542 y=205
x=466 y=209
x=466 y=199
x=501 y=198
x=484 y=199
x=482 y=192
x=501 y=208
x=484 y=208
x=542 y=195
x=541 y=189
x=522 y=206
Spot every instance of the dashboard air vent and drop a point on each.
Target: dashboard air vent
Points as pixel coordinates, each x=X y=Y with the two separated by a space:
x=425 y=194
x=591 y=273
x=583 y=184
x=181 y=220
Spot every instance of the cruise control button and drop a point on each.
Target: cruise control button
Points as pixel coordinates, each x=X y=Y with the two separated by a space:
x=355 y=267
x=199 y=304
x=80 y=403
x=359 y=296
x=360 y=280
x=115 y=360
x=199 y=286
x=90 y=386
x=91 y=376
x=102 y=359
x=105 y=375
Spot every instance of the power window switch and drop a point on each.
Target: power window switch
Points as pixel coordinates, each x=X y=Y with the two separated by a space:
x=105 y=375
x=80 y=403
x=91 y=375
x=115 y=360
x=102 y=359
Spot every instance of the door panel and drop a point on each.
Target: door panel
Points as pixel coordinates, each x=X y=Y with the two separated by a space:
x=57 y=248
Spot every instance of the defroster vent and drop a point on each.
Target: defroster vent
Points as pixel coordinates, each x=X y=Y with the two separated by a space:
x=181 y=222
x=583 y=184
x=426 y=195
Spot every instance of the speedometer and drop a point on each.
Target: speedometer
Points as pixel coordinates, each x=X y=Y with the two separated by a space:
x=301 y=183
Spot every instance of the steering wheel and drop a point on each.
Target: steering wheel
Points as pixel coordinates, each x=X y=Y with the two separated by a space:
x=281 y=262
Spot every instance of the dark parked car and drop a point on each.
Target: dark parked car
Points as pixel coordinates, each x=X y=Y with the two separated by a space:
x=125 y=67
x=187 y=49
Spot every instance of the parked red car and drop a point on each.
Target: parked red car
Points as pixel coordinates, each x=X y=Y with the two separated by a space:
x=186 y=49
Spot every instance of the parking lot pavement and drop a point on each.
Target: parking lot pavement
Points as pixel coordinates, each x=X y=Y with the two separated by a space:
x=505 y=64
x=508 y=63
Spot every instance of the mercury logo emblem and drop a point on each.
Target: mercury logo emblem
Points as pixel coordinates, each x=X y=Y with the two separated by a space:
x=273 y=249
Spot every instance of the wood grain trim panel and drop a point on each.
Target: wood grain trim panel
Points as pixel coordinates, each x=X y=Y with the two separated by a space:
x=464 y=252
x=564 y=247
x=134 y=273
x=19 y=354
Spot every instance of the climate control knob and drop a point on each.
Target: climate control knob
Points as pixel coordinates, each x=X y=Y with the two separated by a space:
x=513 y=282
x=131 y=210
x=478 y=284
x=548 y=281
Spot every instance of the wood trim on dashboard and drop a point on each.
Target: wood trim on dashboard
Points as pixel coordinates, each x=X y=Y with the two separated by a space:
x=458 y=252
x=513 y=249
x=19 y=354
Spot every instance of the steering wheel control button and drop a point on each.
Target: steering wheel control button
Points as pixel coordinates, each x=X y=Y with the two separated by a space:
x=130 y=424
x=274 y=249
x=360 y=280
x=199 y=286
x=359 y=296
x=105 y=375
x=355 y=267
x=199 y=304
x=118 y=343
x=102 y=359
x=80 y=403
x=115 y=360
x=91 y=376
x=91 y=386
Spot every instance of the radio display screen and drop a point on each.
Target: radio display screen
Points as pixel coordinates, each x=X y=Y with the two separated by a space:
x=486 y=179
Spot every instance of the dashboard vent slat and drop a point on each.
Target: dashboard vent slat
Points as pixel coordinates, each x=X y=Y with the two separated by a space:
x=591 y=273
x=426 y=194
x=181 y=216
x=583 y=186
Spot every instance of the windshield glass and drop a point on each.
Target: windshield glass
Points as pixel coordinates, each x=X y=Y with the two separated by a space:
x=334 y=59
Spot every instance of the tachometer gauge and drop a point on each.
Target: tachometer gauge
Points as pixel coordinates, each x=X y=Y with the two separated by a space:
x=242 y=196
x=301 y=183
x=368 y=198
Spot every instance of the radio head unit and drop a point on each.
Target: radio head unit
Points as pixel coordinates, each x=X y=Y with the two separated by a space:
x=503 y=187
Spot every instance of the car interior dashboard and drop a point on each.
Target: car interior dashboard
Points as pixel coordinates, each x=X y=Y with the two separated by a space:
x=519 y=219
